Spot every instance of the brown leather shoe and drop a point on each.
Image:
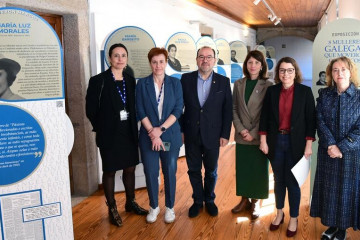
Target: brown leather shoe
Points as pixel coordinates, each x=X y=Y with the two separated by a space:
x=255 y=209
x=243 y=205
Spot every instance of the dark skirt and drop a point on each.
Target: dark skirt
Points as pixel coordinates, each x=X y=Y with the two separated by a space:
x=252 y=172
x=114 y=159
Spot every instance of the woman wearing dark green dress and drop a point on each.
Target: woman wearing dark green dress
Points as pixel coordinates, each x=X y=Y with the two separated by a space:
x=252 y=166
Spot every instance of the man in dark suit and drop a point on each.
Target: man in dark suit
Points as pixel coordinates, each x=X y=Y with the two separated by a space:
x=206 y=125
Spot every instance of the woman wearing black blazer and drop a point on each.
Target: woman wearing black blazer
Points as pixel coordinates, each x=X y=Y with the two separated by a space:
x=287 y=129
x=110 y=107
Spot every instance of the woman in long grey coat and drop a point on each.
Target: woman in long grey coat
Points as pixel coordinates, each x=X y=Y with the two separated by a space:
x=336 y=195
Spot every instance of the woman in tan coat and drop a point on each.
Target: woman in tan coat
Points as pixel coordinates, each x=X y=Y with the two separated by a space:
x=252 y=177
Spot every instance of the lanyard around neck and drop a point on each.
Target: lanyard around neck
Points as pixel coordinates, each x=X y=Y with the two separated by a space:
x=158 y=100
x=122 y=95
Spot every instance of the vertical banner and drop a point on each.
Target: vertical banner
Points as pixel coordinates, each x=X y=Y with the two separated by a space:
x=138 y=43
x=338 y=38
x=238 y=52
x=262 y=49
x=271 y=61
x=270 y=52
x=34 y=171
x=182 y=52
x=181 y=49
x=223 y=55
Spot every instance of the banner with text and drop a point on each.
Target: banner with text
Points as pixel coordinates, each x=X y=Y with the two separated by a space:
x=34 y=171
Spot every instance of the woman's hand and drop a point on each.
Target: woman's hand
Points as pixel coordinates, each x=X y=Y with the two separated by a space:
x=308 y=149
x=244 y=132
x=264 y=147
x=263 y=144
x=248 y=138
x=246 y=135
x=155 y=133
x=157 y=144
x=334 y=152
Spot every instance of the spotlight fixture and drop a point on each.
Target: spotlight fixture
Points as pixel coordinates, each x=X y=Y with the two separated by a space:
x=277 y=21
x=271 y=17
x=256 y=2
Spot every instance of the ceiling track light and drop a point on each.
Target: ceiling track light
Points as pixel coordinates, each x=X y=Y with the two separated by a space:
x=271 y=16
x=256 y=2
x=277 y=21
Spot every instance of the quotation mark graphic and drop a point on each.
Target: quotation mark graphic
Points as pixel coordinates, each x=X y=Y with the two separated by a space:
x=38 y=154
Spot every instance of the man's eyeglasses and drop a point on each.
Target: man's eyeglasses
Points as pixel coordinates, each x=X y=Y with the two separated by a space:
x=201 y=57
x=288 y=70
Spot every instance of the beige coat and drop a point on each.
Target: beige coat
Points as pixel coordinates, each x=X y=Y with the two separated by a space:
x=248 y=116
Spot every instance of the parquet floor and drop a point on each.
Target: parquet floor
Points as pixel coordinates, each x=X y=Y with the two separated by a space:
x=90 y=217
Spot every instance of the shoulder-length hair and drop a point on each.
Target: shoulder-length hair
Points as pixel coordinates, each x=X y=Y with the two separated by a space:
x=157 y=51
x=298 y=75
x=350 y=65
x=260 y=57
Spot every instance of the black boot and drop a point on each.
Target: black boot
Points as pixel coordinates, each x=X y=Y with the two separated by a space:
x=329 y=233
x=114 y=215
x=340 y=235
x=132 y=206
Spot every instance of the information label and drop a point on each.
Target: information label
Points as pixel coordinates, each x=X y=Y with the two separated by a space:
x=31 y=51
x=40 y=212
x=138 y=43
x=12 y=224
x=22 y=144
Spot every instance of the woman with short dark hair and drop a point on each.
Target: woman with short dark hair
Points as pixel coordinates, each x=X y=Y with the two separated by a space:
x=8 y=71
x=173 y=62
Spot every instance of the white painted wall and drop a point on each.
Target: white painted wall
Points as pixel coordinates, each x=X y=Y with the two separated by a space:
x=161 y=19
x=298 y=48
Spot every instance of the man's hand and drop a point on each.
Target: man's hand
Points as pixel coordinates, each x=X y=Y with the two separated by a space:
x=223 y=142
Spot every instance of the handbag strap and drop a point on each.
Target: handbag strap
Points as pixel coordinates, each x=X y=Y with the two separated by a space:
x=102 y=86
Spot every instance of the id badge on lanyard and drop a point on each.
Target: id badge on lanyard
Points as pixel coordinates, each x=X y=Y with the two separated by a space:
x=124 y=115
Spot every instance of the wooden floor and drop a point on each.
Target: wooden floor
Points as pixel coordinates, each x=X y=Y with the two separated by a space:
x=91 y=217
